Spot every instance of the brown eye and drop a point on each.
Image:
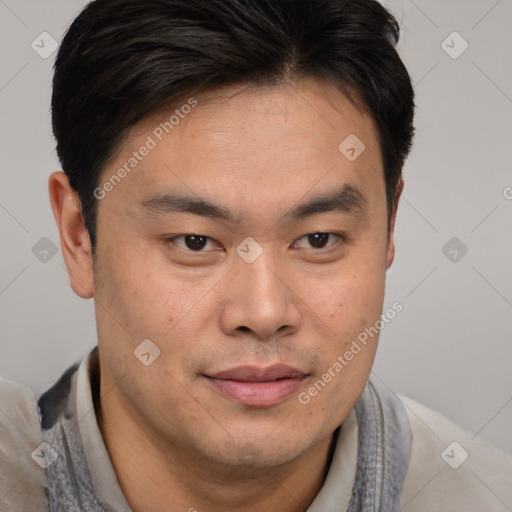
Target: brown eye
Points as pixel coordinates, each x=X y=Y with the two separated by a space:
x=319 y=240
x=191 y=243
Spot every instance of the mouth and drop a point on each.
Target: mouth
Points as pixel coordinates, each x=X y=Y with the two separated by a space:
x=258 y=387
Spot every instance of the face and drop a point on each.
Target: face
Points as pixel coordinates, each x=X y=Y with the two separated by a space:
x=251 y=251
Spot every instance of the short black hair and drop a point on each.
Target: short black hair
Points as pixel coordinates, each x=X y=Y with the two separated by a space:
x=122 y=60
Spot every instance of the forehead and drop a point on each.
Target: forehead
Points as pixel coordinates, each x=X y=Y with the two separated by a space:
x=312 y=108
x=255 y=142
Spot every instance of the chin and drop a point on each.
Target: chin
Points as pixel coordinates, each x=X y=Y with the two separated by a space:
x=253 y=455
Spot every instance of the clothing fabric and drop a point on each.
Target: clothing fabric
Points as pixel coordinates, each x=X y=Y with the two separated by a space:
x=391 y=453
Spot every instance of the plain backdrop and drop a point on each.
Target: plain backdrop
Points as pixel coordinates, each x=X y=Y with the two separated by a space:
x=450 y=347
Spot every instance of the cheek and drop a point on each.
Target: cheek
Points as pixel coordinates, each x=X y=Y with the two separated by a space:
x=350 y=308
x=145 y=295
x=153 y=301
x=349 y=299
x=139 y=305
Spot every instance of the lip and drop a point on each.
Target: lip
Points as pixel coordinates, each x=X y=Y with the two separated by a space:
x=258 y=387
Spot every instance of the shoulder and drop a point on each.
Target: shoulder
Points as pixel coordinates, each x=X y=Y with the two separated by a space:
x=451 y=469
x=22 y=479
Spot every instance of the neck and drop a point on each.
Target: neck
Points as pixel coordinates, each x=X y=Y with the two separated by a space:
x=157 y=475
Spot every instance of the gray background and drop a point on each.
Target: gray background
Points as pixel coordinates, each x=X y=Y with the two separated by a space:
x=450 y=347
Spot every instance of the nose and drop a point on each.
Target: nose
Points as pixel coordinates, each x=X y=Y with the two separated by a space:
x=260 y=299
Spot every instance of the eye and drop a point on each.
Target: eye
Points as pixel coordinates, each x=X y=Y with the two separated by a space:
x=191 y=243
x=318 y=240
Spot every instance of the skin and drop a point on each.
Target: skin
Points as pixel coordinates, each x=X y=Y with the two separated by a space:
x=259 y=152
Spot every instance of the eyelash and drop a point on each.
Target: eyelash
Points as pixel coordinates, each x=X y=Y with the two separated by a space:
x=172 y=240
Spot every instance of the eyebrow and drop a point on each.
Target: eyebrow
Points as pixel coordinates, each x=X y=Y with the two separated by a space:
x=347 y=199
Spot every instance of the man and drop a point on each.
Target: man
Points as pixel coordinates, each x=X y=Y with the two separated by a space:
x=232 y=170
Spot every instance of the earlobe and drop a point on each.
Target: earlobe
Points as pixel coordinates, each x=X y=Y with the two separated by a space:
x=390 y=253
x=74 y=237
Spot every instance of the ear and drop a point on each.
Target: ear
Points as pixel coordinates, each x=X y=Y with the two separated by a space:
x=390 y=253
x=74 y=237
